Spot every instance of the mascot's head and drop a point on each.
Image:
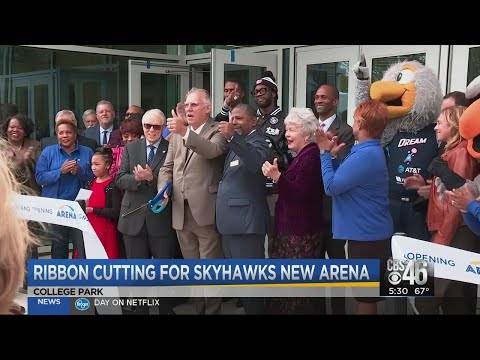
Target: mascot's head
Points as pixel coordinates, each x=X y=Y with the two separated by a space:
x=469 y=126
x=412 y=94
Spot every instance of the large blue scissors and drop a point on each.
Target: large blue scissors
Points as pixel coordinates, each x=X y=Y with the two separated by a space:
x=154 y=204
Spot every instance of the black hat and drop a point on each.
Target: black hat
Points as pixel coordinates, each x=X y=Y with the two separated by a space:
x=268 y=80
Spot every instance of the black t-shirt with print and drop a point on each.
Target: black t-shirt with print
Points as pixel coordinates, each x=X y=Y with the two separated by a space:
x=408 y=154
x=272 y=126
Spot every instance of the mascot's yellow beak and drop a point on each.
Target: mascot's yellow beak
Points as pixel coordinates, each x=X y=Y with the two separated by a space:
x=399 y=98
x=469 y=127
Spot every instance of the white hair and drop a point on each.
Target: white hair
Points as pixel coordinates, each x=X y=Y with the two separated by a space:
x=306 y=121
x=154 y=113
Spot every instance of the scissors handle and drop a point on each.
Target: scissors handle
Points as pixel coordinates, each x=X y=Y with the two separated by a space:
x=154 y=204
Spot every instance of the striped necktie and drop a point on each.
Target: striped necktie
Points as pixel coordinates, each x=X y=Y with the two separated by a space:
x=151 y=155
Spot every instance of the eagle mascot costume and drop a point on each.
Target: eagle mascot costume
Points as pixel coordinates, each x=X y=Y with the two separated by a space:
x=412 y=94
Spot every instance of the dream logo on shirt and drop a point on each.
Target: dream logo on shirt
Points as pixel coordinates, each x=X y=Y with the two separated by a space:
x=410 y=142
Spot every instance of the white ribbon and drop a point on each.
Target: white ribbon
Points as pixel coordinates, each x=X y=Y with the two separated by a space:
x=66 y=213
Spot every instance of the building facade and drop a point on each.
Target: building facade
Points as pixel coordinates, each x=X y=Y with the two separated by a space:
x=42 y=79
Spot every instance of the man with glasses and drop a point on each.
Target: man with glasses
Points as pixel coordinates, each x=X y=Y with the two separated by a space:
x=194 y=165
x=135 y=112
x=145 y=233
x=271 y=125
x=271 y=118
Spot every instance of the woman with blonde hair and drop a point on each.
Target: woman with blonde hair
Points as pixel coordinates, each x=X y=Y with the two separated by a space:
x=444 y=220
x=15 y=237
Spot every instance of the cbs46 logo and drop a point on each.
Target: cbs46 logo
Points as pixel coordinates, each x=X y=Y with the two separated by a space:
x=415 y=272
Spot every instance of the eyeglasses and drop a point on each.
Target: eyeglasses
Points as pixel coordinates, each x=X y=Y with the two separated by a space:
x=155 y=127
x=260 y=92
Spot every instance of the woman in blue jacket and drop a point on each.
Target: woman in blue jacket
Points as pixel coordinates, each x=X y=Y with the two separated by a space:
x=359 y=190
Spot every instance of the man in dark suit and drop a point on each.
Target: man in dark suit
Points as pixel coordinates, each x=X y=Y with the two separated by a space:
x=105 y=133
x=326 y=102
x=82 y=140
x=145 y=233
x=242 y=194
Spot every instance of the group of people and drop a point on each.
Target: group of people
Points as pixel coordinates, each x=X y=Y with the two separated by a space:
x=306 y=180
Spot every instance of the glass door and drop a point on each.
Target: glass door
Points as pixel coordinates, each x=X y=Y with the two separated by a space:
x=157 y=85
x=380 y=57
x=465 y=66
x=34 y=97
x=81 y=89
x=323 y=64
x=244 y=66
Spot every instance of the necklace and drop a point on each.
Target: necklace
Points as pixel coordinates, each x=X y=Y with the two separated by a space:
x=16 y=148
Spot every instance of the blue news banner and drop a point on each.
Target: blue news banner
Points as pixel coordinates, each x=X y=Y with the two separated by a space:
x=80 y=286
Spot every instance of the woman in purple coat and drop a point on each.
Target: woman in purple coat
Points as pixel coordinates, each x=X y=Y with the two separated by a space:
x=298 y=211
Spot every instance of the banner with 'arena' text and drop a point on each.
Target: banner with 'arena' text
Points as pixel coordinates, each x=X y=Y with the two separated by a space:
x=449 y=263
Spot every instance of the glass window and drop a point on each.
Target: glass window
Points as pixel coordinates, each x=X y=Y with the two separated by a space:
x=335 y=73
x=285 y=80
x=69 y=59
x=25 y=59
x=200 y=49
x=473 y=64
x=159 y=49
x=380 y=65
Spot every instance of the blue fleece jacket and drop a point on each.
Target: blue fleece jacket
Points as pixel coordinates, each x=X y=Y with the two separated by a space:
x=472 y=217
x=359 y=191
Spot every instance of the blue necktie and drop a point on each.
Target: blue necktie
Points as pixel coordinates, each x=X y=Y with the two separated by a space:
x=104 y=141
x=151 y=155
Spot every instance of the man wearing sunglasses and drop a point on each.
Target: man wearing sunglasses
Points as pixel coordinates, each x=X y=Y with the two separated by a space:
x=271 y=125
x=145 y=233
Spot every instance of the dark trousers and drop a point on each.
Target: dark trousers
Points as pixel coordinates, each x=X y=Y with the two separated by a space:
x=453 y=297
x=62 y=235
x=147 y=246
x=248 y=246
x=335 y=249
x=411 y=220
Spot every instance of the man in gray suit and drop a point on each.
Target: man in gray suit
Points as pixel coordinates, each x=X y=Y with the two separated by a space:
x=194 y=165
x=242 y=213
x=326 y=102
x=145 y=233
